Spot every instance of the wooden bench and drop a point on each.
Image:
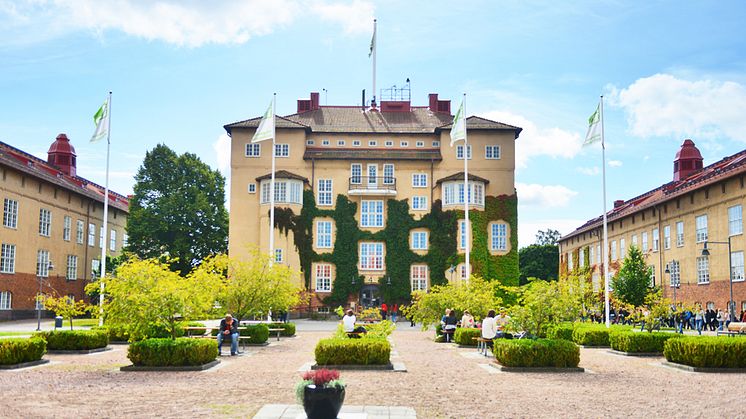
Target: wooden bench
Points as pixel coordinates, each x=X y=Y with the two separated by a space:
x=207 y=334
x=448 y=334
x=482 y=344
x=278 y=330
x=734 y=328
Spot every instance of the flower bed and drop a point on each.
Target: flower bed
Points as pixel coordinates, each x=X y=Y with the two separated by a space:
x=338 y=351
x=639 y=342
x=465 y=336
x=556 y=353
x=165 y=352
x=18 y=350
x=74 y=340
x=707 y=351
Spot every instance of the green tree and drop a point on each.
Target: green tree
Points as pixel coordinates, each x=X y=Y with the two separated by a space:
x=538 y=261
x=631 y=284
x=543 y=304
x=178 y=209
x=548 y=237
x=66 y=307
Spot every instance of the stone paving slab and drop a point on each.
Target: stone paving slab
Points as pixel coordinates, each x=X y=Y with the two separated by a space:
x=294 y=411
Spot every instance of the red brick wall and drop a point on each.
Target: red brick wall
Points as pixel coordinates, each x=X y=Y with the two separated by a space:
x=24 y=286
x=717 y=292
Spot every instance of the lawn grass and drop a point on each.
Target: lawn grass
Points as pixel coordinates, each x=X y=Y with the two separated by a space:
x=15 y=333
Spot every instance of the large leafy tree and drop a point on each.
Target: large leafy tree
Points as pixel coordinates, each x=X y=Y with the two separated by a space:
x=178 y=209
x=538 y=261
x=631 y=284
x=543 y=304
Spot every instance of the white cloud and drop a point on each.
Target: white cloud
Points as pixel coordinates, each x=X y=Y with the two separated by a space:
x=589 y=171
x=615 y=163
x=538 y=141
x=222 y=147
x=664 y=105
x=544 y=195
x=191 y=23
x=527 y=231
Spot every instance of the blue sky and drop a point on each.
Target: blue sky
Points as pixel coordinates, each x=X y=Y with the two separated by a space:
x=180 y=70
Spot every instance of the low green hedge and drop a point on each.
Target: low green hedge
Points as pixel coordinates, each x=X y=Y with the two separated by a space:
x=561 y=331
x=74 y=340
x=336 y=351
x=288 y=328
x=639 y=342
x=707 y=351
x=258 y=333
x=165 y=352
x=556 y=353
x=595 y=334
x=19 y=350
x=116 y=333
x=464 y=336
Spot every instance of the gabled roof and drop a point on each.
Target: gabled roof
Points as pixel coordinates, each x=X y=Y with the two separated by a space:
x=460 y=176
x=479 y=123
x=282 y=174
x=316 y=153
x=280 y=122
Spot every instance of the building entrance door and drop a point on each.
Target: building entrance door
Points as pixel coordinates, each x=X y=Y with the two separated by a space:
x=369 y=296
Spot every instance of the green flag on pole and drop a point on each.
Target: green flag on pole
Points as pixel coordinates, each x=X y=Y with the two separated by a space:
x=594 y=127
x=458 y=128
x=101 y=119
x=266 y=127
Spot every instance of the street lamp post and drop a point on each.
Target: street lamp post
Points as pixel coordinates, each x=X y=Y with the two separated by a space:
x=732 y=305
x=38 y=297
x=673 y=281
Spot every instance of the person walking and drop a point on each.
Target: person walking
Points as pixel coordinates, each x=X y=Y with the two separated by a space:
x=699 y=320
x=720 y=319
x=394 y=312
x=384 y=311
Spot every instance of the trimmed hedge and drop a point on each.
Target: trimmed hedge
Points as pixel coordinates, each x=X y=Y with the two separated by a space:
x=595 y=334
x=116 y=333
x=289 y=328
x=464 y=336
x=336 y=351
x=561 y=331
x=707 y=351
x=74 y=340
x=556 y=353
x=19 y=350
x=258 y=333
x=164 y=352
x=639 y=342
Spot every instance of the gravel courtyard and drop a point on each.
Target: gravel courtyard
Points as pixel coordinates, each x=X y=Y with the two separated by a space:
x=442 y=381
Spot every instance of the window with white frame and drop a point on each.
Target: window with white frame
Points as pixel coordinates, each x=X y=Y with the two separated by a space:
x=282 y=150
x=460 y=152
x=735 y=220
x=634 y=240
x=253 y=150
x=42 y=263
x=436 y=143
x=341 y=143
x=590 y=255
x=10 y=213
x=125 y=240
x=679 y=234
x=66 y=227
x=356 y=173
x=651 y=270
x=462 y=234
x=463 y=274
x=453 y=193
x=674 y=267
x=372 y=174
x=418 y=240
x=371 y=256
x=325 y=142
x=72 y=268
x=112 y=240
x=492 y=152
x=323 y=277
x=388 y=174
x=598 y=254
x=287 y=191
x=419 y=180
x=389 y=143
x=372 y=143
x=570 y=265
x=418 y=276
x=5 y=300
x=91 y=234
x=8 y=258
x=622 y=248
x=736 y=266
x=95 y=268
x=499 y=242
x=310 y=142
x=645 y=247
x=356 y=143
x=79 y=231
x=371 y=214
x=703 y=270
x=323 y=310
x=101 y=237
x=656 y=239
x=419 y=203
x=251 y=188
x=419 y=144
x=666 y=237
x=701 y=228
x=45 y=222
x=613 y=250
x=324 y=234
x=278 y=256
x=403 y=143
x=581 y=257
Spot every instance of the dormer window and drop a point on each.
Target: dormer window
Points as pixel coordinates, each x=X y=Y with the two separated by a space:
x=453 y=193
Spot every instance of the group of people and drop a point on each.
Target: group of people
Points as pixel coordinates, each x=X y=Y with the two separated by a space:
x=493 y=325
x=702 y=319
x=387 y=311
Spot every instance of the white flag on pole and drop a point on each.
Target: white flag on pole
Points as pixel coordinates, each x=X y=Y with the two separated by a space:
x=266 y=128
x=594 y=127
x=101 y=119
x=458 y=128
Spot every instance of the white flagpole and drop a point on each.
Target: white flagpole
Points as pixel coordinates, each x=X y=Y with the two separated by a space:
x=606 y=232
x=272 y=186
x=375 y=47
x=102 y=274
x=467 y=228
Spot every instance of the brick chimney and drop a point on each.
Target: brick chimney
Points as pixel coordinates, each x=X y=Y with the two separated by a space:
x=438 y=106
x=618 y=203
x=305 y=105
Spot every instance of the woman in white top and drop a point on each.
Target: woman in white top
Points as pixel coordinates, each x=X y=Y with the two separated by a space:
x=348 y=324
x=489 y=327
x=467 y=320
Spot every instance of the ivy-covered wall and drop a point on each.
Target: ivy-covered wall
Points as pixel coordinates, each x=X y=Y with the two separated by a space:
x=442 y=227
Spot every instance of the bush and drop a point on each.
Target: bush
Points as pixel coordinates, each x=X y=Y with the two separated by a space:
x=465 y=336
x=74 y=340
x=115 y=333
x=160 y=352
x=561 y=331
x=16 y=351
x=439 y=337
x=556 y=353
x=258 y=333
x=336 y=351
x=707 y=351
x=289 y=328
x=639 y=342
x=595 y=334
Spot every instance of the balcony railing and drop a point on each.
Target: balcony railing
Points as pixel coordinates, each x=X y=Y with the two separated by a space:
x=370 y=185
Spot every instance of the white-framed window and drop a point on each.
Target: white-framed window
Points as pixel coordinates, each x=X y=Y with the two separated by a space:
x=389 y=143
x=252 y=187
x=656 y=239
x=463 y=274
x=598 y=254
x=341 y=143
x=372 y=174
x=419 y=203
x=371 y=256
x=634 y=240
x=492 y=152
x=736 y=266
x=680 y=234
x=735 y=220
x=323 y=310
x=701 y=228
x=101 y=233
x=463 y=234
x=112 y=240
x=645 y=247
x=666 y=237
x=324 y=234
x=418 y=277
x=499 y=242
x=79 y=231
x=356 y=173
x=8 y=258
x=651 y=269
x=581 y=257
x=419 y=144
x=42 y=263
x=590 y=255
x=323 y=277
x=403 y=143
x=45 y=222
x=622 y=249
x=72 y=268
x=436 y=143
x=5 y=300
x=674 y=267
x=287 y=191
x=91 y=234
x=371 y=213
x=95 y=268
x=310 y=142
x=419 y=180
x=460 y=152
x=453 y=193
x=356 y=143
x=324 y=197
x=10 y=213
x=388 y=174
x=125 y=240
x=282 y=150
x=613 y=250
x=325 y=142
x=278 y=256
x=253 y=150
x=67 y=225
x=570 y=265
x=703 y=270
x=372 y=143
x=418 y=240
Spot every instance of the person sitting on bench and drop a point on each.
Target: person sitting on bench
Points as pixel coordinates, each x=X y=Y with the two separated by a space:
x=449 y=325
x=228 y=327
x=348 y=325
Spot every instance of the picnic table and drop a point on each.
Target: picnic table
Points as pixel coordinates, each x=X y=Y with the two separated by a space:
x=207 y=333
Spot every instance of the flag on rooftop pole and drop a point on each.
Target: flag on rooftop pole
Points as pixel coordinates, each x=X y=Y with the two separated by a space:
x=458 y=128
x=101 y=119
x=266 y=129
x=458 y=132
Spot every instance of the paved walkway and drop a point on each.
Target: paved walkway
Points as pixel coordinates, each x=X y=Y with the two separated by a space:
x=288 y=411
